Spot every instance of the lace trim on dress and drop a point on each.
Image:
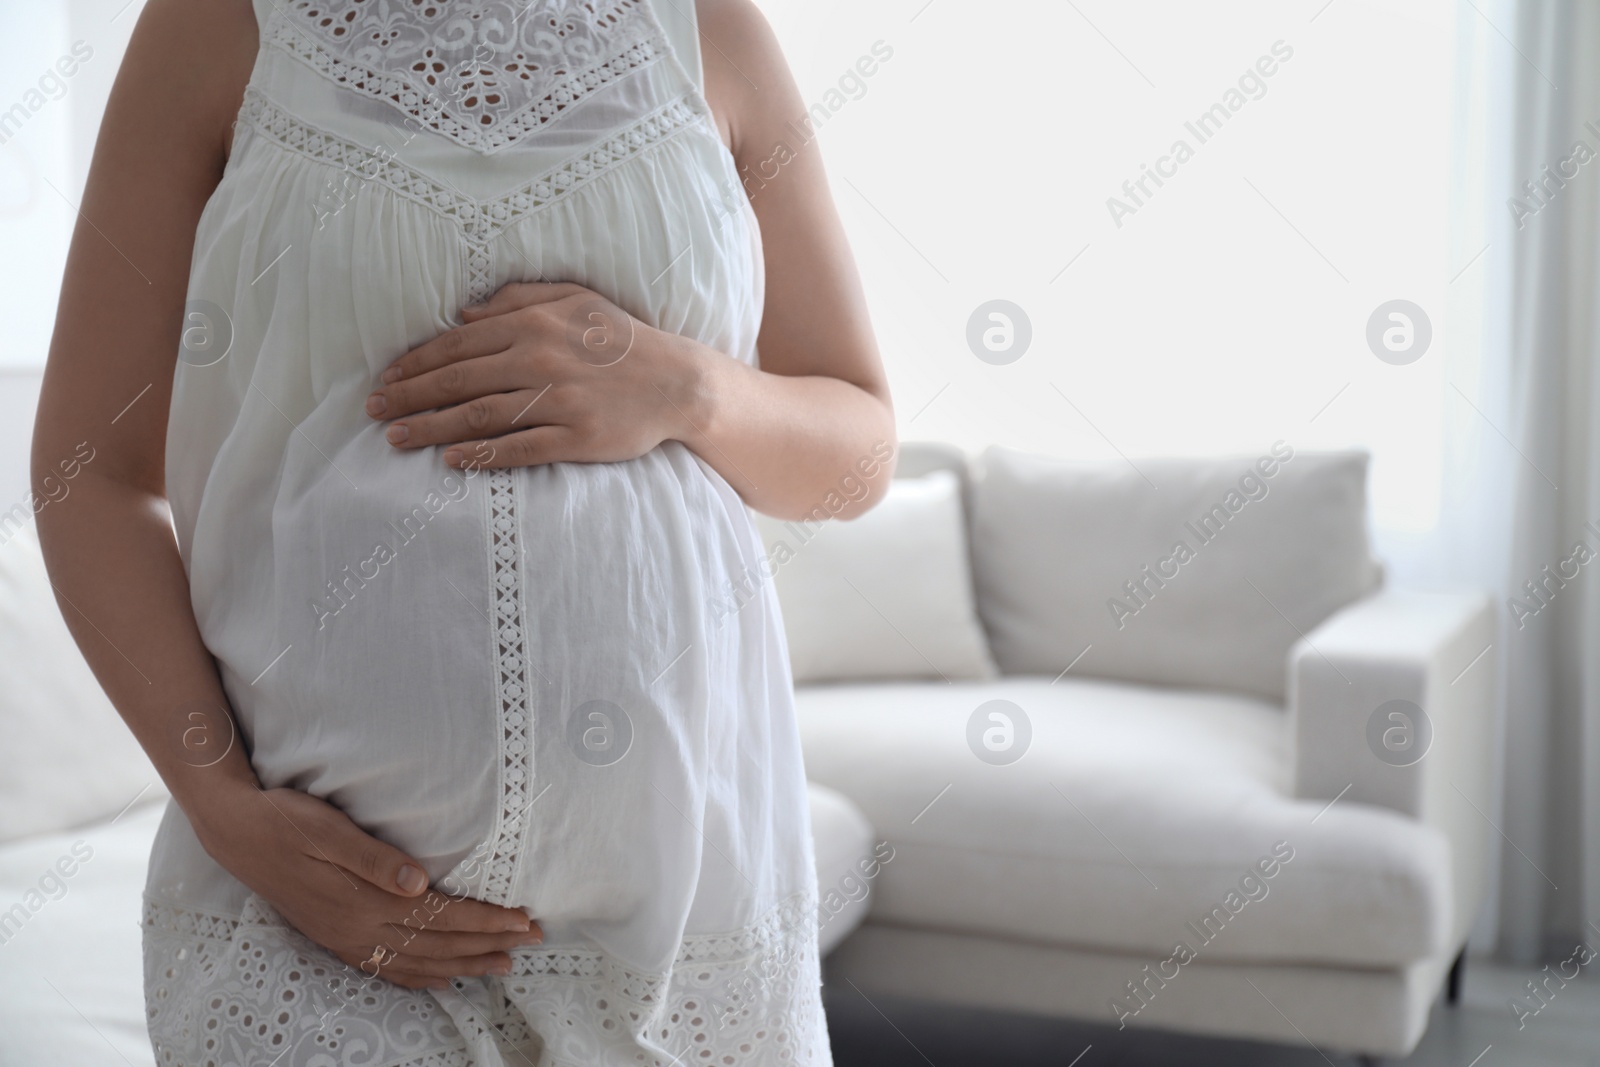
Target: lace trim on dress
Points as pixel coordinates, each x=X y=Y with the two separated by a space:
x=511 y=685
x=749 y=996
x=484 y=73
x=480 y=220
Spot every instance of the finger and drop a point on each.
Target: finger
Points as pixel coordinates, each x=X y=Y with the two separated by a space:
x=440 y=914
x=495 y=414
x=439 y=945
x=466 y=915
x=346 y=845
x=460 y=342
x=526 y=448
x=453 y=383
x=514 y=295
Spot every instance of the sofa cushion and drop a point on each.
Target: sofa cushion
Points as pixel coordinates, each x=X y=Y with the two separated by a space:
x=67 y=758
x=885 y=595
x=1131 y=817
x=71 y=898
x=1181 y=572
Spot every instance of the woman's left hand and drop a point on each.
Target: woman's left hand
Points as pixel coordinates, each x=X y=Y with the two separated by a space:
x=541 y=373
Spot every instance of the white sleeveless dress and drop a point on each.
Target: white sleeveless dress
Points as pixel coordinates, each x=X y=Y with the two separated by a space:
x=562 y=688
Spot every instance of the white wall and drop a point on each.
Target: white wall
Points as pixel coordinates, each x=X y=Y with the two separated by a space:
x=1227 y=312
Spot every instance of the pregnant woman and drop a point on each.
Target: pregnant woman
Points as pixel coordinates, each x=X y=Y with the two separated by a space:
x=417 y=342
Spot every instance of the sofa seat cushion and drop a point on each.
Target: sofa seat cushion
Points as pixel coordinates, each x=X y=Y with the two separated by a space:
x=1136 y=819
x=67 y=759
x=70 y=958
x=846 y=864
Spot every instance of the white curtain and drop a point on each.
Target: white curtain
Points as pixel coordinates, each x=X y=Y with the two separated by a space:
x=1523 y=437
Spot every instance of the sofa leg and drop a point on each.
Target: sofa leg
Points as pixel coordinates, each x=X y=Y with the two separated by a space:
x=1369 y=1061
x=1452 y=990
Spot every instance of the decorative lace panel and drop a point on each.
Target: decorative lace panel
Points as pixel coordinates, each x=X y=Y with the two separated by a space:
x=512 y=692
x=222 y=992
x=480 y=220
x=484 y=73
x=742 y=998
x=478 y=261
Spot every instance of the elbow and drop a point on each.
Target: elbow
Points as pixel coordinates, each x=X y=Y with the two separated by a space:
x=871 y=473
x=71 y=496
x=50 y=482
x=851 y=491
x=869 y=490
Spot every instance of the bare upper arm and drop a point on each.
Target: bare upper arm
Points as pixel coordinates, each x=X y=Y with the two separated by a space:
x=160 y=153
x=815 y=320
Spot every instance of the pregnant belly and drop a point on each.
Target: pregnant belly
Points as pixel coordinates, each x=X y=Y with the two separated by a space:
x=445 y=655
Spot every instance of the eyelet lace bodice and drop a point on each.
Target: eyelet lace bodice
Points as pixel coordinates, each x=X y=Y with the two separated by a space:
x=484 y=73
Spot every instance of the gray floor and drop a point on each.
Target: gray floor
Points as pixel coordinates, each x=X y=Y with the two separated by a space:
x=1480 y=1032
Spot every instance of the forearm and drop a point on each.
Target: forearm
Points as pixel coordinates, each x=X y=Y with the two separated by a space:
x=787 y=444
x=121 y=585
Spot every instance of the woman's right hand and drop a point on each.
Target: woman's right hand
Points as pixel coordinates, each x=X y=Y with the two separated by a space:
x=351 y=893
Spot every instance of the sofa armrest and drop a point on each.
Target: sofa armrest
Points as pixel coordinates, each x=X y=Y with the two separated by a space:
x=1435 y=652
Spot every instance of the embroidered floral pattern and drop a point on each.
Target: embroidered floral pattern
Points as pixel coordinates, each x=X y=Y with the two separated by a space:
x=221 y=992
x=484 y=73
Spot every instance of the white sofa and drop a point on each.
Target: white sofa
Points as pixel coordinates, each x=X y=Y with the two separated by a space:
x=1237 y=724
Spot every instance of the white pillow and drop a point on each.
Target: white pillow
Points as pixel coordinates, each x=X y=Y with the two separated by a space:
x=67 y=758
x=1275 y=544
x=884 y=595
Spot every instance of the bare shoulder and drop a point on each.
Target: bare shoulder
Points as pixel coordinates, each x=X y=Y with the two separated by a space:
x=748 y=83
x=210 y=35
x=158 y=157
x=815 y=320
x=190 y=59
